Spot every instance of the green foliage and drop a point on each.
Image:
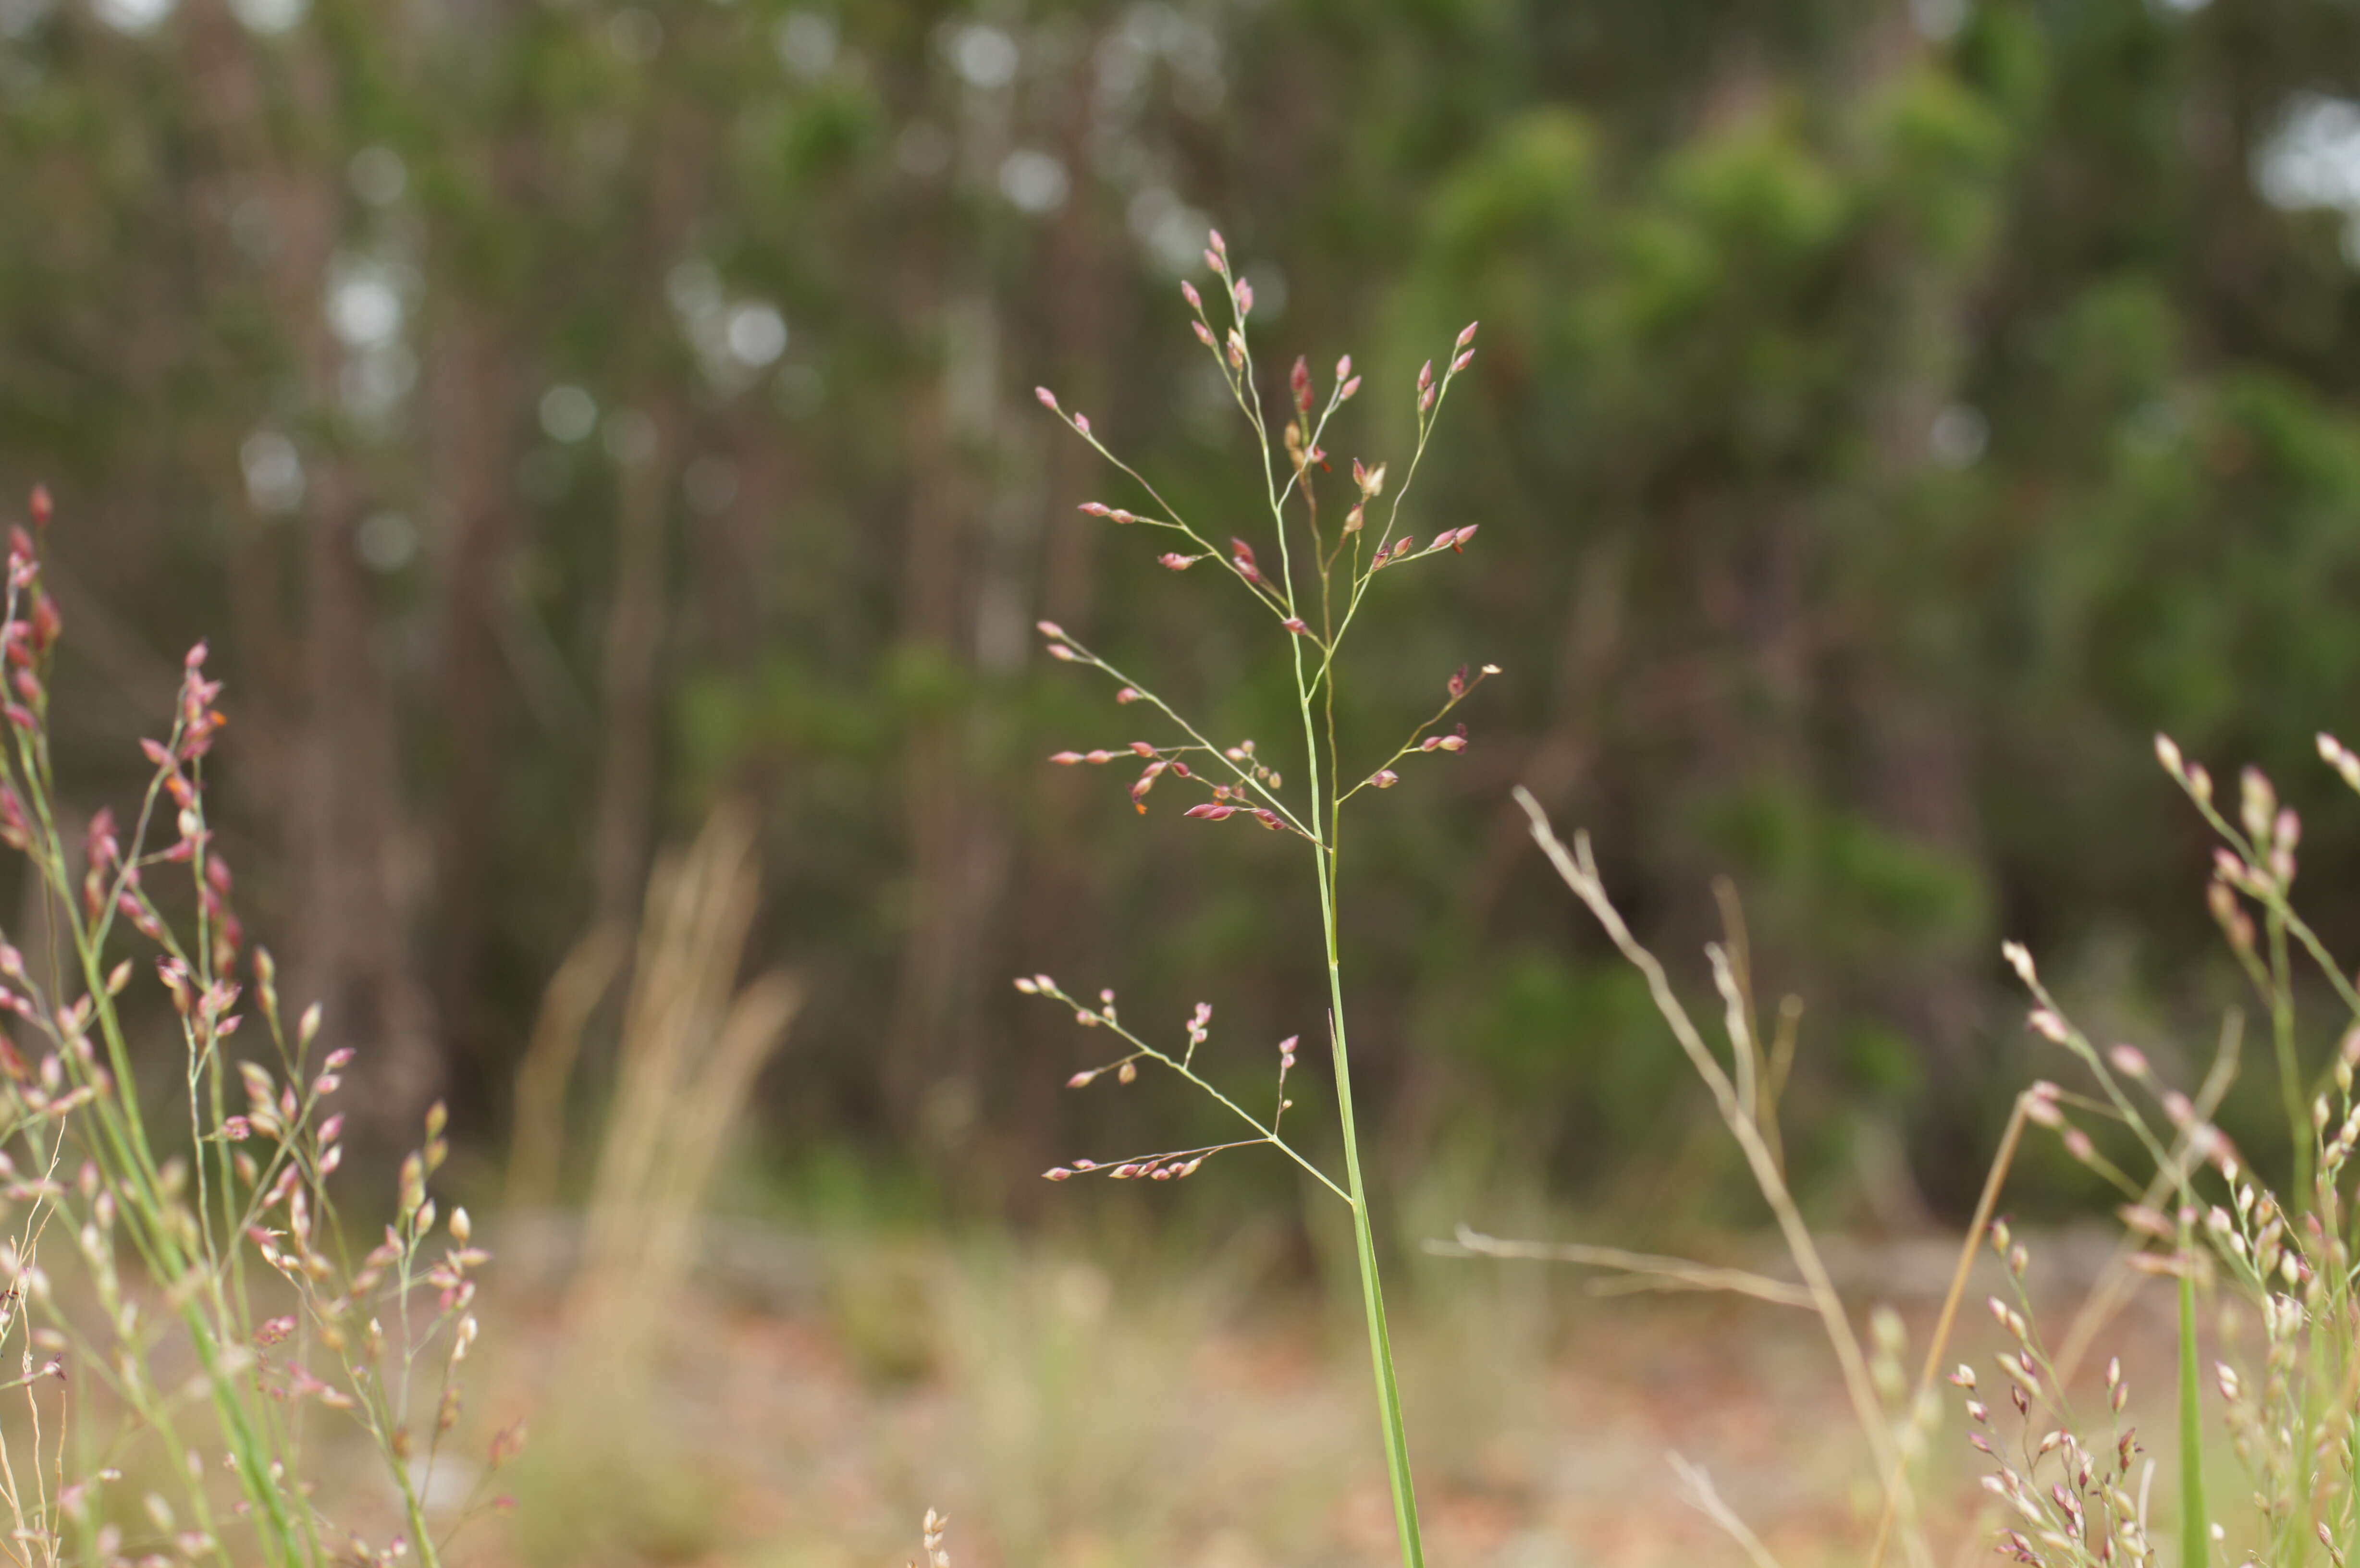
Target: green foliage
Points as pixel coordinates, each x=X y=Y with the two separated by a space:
x=1859 y=886
x=1552 y=1031
x=882 y=1308
x=1888 y=430
x=589 y=1499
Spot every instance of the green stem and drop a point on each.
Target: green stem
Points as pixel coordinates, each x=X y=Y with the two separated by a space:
x=2299 y=1133
x=2195 y=1531
x=1324 y=800
x=1373 y=1297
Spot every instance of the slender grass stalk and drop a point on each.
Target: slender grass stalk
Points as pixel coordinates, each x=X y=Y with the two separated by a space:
x=1372 y=1301
x=2293 y=1093
x=1994 y=1179
x=2195 y=1528
x=1577 y=868
x=1337 y=558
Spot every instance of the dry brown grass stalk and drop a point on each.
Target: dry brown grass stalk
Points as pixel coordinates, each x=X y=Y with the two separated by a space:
x=693 y=1043
x=1738 y=1112
x=1643 y=1270
x=1746 y=1094
x=1703 y=1497
x=537 y=1139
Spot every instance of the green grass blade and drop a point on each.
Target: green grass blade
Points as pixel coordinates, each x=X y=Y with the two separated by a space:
x=1380 y=1348
x=2195 y=1530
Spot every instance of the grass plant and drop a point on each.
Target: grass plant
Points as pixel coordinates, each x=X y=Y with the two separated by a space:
x=2071 y=1487
x=187 y=1312
x=1319 y=572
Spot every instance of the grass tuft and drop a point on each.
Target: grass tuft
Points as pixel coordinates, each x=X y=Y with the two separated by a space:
x=185 y=1296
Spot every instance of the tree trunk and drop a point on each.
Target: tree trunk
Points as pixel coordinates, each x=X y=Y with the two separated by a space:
x=937 y=802
x=350 y=940
x=634 y=646
x=472 y=396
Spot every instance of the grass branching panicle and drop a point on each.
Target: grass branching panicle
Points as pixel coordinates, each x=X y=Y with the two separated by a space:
x=186 y=1298
x=1311 y=571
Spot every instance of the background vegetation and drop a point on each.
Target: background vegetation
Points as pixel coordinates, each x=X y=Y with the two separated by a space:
x=568 y=416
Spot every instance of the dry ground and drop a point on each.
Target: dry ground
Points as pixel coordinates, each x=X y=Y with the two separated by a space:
x=808 y=1405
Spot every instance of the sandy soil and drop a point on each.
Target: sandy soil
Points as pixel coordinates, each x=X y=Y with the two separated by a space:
x=1065 y=1415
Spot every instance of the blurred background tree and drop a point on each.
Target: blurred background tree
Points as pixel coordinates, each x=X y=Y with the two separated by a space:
x=567 y=415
